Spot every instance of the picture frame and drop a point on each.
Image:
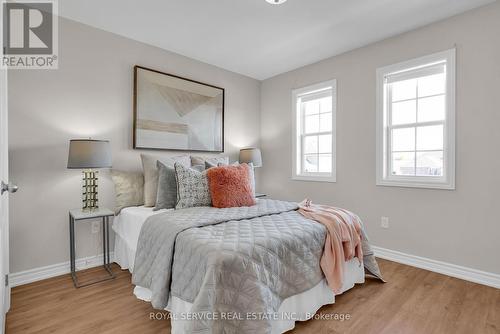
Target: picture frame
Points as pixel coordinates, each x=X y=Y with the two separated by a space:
x=176 y=113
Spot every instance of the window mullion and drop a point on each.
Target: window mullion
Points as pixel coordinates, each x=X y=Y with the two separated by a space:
x=388 y=155
x=318 y=133
x=302 y=130
x=317 y=150
x=420 y=97
x=416 y=116
x=412 y=125
x=303 y=155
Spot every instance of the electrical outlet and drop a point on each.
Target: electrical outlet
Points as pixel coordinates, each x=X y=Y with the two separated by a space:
x=95 y=227
x=384 y=222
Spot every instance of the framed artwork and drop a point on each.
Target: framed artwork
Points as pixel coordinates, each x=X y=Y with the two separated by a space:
x=175 y=113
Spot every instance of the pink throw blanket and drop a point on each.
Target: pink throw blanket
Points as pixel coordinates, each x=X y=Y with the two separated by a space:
x=343 y=239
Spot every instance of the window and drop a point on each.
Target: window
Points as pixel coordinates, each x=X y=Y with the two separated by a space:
x=416 y=122
x=314 y=111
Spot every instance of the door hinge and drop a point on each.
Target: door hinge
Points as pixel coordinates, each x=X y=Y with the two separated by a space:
x=6 y=279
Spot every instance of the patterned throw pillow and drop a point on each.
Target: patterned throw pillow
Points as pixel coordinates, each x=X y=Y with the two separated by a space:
x=192 y=187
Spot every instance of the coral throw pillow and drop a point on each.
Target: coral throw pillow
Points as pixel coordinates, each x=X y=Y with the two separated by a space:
x=230 y=186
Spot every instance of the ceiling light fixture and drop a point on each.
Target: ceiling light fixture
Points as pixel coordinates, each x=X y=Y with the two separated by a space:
x=276 y=2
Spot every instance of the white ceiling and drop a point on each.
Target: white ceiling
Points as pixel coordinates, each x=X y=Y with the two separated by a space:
x=254 y=38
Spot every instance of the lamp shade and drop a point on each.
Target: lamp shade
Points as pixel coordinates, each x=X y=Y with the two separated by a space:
x=251 y=155
x=89 y=153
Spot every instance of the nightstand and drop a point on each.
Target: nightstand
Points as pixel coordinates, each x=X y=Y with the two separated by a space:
x=257 y=195
x=78 y=215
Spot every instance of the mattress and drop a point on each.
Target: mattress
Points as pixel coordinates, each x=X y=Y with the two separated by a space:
x=127 y=226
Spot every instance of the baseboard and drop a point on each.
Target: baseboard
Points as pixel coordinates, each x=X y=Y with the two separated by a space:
x=468 y=274
x=38 y=274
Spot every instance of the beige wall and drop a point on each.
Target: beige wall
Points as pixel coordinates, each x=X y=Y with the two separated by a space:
x=461 y=226
x=91 y=95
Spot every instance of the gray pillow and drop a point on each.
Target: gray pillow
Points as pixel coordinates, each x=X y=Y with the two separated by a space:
x=129 y=189
x=167 y=188
x=196 y=160
x=192 y=187
x=151 y=174
x=209 y=164
x=199 y=168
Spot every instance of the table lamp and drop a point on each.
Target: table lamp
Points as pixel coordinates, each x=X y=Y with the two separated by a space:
x=89 y=154
x=251 y=155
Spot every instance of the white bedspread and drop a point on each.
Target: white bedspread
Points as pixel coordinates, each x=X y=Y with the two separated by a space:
x=127 y=226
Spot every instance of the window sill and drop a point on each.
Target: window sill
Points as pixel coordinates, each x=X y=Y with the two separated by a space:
x=417 y=184
x=329 y=179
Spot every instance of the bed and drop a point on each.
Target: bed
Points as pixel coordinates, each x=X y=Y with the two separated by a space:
x=297 y=307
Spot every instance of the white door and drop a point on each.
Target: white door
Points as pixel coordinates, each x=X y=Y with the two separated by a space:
x=4 y=195
x=4 y=202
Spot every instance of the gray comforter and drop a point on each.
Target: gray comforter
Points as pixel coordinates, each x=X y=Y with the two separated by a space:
x=228 y=262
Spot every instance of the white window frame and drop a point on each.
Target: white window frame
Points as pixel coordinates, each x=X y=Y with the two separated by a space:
x=297 y=140
x=384 y=178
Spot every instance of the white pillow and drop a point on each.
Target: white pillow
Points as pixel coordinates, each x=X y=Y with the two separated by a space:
x=129 y=189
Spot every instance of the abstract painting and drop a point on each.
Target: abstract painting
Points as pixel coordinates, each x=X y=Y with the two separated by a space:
x=174 y=113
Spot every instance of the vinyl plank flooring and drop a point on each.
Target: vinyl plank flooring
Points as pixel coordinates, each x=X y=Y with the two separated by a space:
x=413 y=301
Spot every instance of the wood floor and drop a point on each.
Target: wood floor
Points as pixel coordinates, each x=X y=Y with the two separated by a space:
x=413 y=301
